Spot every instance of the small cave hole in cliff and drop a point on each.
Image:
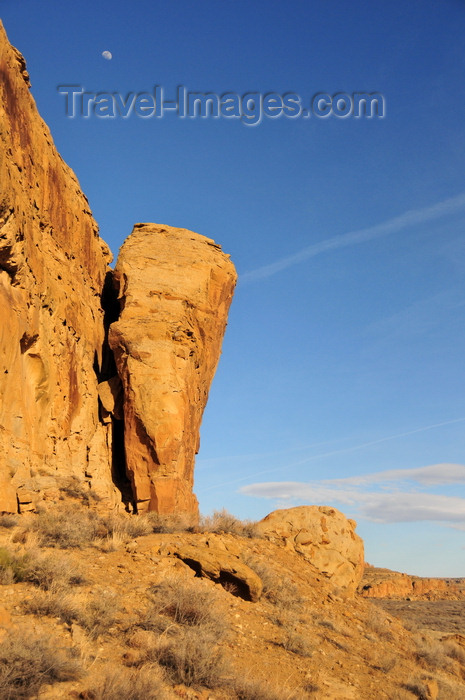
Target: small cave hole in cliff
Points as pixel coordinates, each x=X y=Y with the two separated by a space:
x=108 y=373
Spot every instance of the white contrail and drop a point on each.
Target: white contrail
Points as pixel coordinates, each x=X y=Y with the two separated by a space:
x=409 y=218
x=322 y=455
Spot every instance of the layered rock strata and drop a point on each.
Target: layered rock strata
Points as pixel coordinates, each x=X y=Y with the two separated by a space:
x=175 y=288
x=383 y=583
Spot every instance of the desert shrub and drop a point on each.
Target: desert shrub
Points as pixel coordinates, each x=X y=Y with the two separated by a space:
x=187 y=614
x=28 y=662
x=386 y=663
x=141 y=684
x=430 y=653
x=297 y=643
x=8 y=521
x=221 y=521
x=278 y=589
x=454 y=651
x=99 y=614
x=12 y=566
x=185 y=603
x=450 y=690
x=192 y=657
x=129 y=526
x=52 y=604
x=50 y=571
x=42 y=570
x=376 y=622
x=70 y=528
x=171 y=523
x=291 y=625
x=246 y=688
x=417 y=688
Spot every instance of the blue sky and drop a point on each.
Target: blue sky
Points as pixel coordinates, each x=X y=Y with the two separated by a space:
x=342 y=375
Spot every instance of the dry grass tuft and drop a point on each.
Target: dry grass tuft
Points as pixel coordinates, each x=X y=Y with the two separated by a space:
x=223 y=522
x=171 y=523
x=42 y=570
x=28 y=662
x=187 y=616
x=278 y=589
x=430 y=653
x=454 y=651
x=100 y=613
x=12 y=567
x=119 y=684
x=191 y=656
x=417 y=688
x=185 y=603
x=246 y=688
x=127 y=526
x=70 y=528
x=52 y=604
x=376 y=621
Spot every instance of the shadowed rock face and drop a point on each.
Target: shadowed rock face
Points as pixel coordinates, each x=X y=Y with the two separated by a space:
x=52 y=267
x=175 y=288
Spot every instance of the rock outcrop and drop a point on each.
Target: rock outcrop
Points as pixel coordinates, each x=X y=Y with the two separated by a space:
x=175 y=288
x=69 y=425
x=384 y=583
x=52 y=269
x=220 y=562
x=324 y=537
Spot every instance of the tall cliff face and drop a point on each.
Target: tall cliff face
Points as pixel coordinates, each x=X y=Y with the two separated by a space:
x=52 y=269
x=175 y=288
x=61 y=406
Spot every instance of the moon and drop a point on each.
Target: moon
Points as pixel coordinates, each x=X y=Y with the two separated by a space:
x=107 y=55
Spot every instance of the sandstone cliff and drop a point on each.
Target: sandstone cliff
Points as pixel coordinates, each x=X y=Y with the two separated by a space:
x=384 y=583
x=52 y=269
x=70 y=427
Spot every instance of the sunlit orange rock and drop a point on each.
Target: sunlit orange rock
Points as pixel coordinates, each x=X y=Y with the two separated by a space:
x=175 y=288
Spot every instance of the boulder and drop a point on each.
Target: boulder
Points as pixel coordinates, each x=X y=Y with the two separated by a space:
x=324 y=537
x=175 y=288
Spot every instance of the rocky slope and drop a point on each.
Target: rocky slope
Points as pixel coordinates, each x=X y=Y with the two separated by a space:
x=130 y=615
x=71 y=418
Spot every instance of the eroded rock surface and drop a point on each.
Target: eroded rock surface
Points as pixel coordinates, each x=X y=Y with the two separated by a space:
x=212 y=558
x=324 y=537
x=175 y=288
x=52 y=269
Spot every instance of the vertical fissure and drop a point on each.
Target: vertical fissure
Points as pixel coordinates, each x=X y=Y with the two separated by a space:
x=111 y=395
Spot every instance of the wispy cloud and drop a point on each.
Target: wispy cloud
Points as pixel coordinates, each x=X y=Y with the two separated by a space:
x=443 y=473
x=395 y=500
x=412 y=217
x=323 y=455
